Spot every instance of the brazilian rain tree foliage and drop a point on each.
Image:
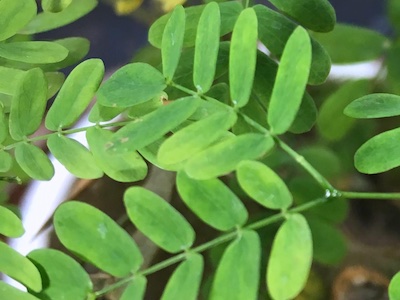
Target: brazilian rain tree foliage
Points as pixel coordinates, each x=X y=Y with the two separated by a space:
x=224 y=116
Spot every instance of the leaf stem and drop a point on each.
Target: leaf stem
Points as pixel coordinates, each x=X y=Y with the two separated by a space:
x=362 y=195
x=183 y=89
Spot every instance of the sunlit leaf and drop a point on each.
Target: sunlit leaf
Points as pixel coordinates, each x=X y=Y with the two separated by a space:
x=377 y=105
x=75 y=94
x=46 y=21
x=130 y=85
x=394 y=287
x=290 y=260
x=5 y=161
x=171 y=232
x=185 y=281
x=144 y=108
x=317 y=15
x=135 y=290
x=10 y=224
x=127 y=167
x=54 y=6
x=152 y=126
x=379 y=154
x=14 y=15
x=291 y=80
x=34 y=161
x=9 y=79
x=172 y=41
x=63 y=277
x=195 y=137
x=11 y=293
x=101 y=113
x=243 y=45
x=237 y=275
x=28 y=105
x=206 y=50
x=74 y=156
x=19 y=268
x=212 y=201
x=96 y=238
x=263 y=185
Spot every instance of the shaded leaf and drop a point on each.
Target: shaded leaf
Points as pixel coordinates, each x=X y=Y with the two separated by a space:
x=19 y=268
x=54 y=82
x=11 y=293
x=3 y=124
x=34 y=161
x=54 y=6
x=153 y=126
x=224 y=157
x=28 y=105
x=135 y=290
x=75 y=94
x=290 y=260
x=243 y=44
x=63 y=277
x=290 y=83
x=96 y=238
x=74 y=156
x=10 y=225
x=100 y=113
x=212 y=201
x=127 y=167
x=377 y=105
x=185 y=281
x=5 y=161
x=237 y=275
x=172 y=41
x=144 y=108
x=379 y=154
x=306 y=116
x=171 y=232
x=393 y=12
x=394 y=287
x=130 y=85
x=263 y=185
x=206 y=50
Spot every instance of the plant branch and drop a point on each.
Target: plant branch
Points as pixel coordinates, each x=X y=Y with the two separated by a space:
x=362 y=195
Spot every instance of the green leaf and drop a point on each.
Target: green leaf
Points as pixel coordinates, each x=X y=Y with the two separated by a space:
x=224 y=157
x=34 y=161
x=393 y=12
x=237 y=275
x=229 y=12
x=14 y=15
x=243 y=45
x=74 y=156
x=19 y=268
x=54 y=82
x=153 y=126
x=306 y=116
x=195 y=137
x=9 y=79
x=135 y=290
x=275 y=29
x=142 y=109
x=75 y=94
x=5 y=161
x=379 y=154
x=332 y=124
x=3 y=124
x=350 y=44
x=206 y=50
x=63 y=277
x=290 y=259
x=291 y=80
x=377 y=105
x=317 y=15
x=171 y=232
x=138 y=79
x=263 y=185
x=185 y=281
x=127 y=167
x=96 y=238
x=10 y=225
x=28 y=105
x=394 y=287
x=46 y=21
x=212 y=201
x=172 y=41
x=100 y=113
x=11 y=293
x=54 y=6
x=33 y=52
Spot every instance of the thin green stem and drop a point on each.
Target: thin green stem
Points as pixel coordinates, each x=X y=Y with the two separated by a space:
x=183 y=89
x=362 y=195
x=254 y=124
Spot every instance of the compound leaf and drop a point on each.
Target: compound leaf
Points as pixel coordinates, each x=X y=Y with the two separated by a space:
x=96 y=238
x=377 y=105
x=291 y=80
x=10 y=225
x=185 y=281
x=135 y=290
x=237 y=275
x=74 y=156
x=130 y=85
x=212 y=201
x=171 y=232
x=19 y=268
x=63 y=277
x=290 y=259
x=75 y=94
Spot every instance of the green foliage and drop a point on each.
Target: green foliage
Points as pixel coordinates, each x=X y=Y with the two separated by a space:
x=210 y=105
